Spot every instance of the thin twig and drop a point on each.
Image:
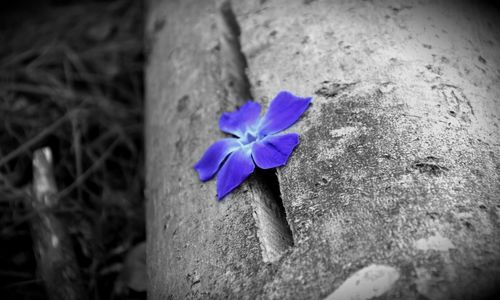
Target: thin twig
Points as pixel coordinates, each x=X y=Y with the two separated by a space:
x=77 y=135
x=89 y=171
x=42 y=134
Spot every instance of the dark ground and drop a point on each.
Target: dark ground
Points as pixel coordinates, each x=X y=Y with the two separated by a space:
x=71 y=79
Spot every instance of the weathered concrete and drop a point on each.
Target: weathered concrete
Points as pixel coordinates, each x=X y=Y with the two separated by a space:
x=397 y=172
x=197 y=247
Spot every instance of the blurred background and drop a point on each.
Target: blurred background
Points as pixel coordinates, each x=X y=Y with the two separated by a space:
x=71 y=80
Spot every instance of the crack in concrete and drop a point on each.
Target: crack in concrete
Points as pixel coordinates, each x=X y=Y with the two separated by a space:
x=273 y=229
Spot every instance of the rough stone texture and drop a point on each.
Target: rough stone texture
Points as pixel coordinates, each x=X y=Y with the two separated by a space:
x=399 y=160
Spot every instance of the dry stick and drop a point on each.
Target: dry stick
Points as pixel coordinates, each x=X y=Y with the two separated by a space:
x=52 y=245
x=77 y=135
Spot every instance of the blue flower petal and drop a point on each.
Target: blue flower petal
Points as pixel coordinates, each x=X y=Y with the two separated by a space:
x=238 y=166
x=285 y=109
x=208 y=165
x=273 y=151
x=237 y=122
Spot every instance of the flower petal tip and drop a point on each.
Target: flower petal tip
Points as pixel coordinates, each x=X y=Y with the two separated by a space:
x=215 y=155
x=236 y=169
x=221 y=197
x=274 y=150
x=283 y=112
x=201 y=176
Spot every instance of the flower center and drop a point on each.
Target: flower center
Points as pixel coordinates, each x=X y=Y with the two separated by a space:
x=249 y=138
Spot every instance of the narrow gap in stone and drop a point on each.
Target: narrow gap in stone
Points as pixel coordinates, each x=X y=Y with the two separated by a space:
x=233 y=60
x=269 y=179
x=273 y=230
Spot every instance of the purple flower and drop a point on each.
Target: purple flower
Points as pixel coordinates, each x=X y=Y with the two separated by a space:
x=256 y=141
